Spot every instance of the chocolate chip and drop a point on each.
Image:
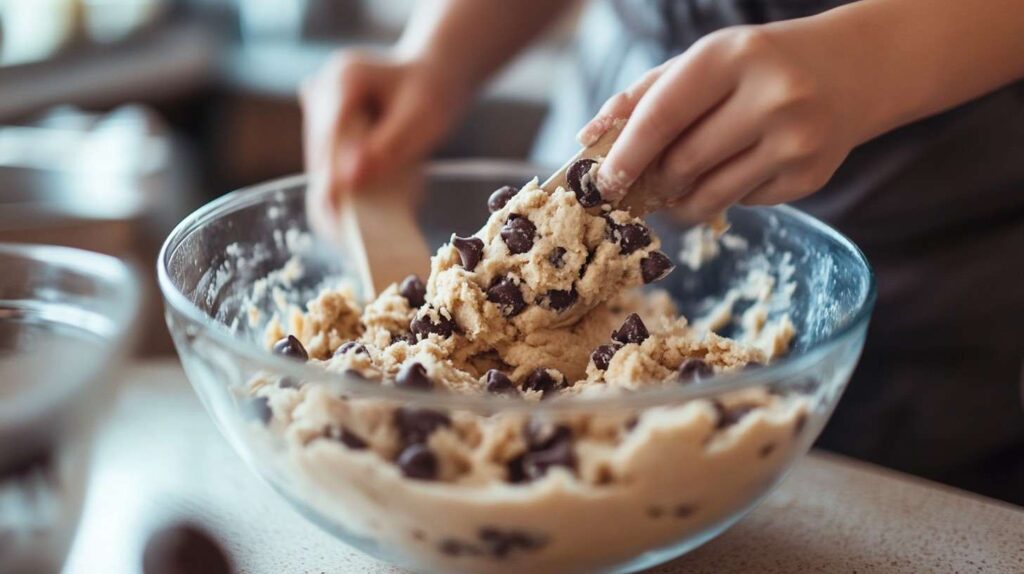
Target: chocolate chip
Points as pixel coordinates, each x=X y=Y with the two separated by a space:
x=471 y=250
x=537 y=463
x=767 y=450
x=683 y=510
x=602 y=356
x=655 y=511
x=561 y=300
x=516 y=470
x=633 y=236
x=291 y=347
x=414 y=291
x=357 y=375
x=184 y=548
x=423 y=326
x=416 y=425
x=632 y=330
x=518 y=234
x=499 y=543
x=541 y=380
x=417 y=462
x=548 y=445
x=541 y=434
x=556 y=257
x=655 y=266
x=350 y=439
x=694 y=370
x=453 y=547
x=258 y=408
x=507 y=296
x=500 y=197
x=730 y=416
x=413 y=376
x=353 y=347
x=498 y=383
x=288 y=383
x=582 y=184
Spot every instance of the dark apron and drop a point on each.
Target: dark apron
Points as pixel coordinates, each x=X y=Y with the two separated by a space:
x=937 y=206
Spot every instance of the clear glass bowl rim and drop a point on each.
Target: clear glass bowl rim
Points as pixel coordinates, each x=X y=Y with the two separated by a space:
x=782 y=369
x=92 y=265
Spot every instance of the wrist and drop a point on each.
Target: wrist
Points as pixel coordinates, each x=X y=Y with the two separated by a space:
x=864 y=49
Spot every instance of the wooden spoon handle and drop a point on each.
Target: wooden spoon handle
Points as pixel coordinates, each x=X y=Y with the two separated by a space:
x=378 y=235
x=380 y=220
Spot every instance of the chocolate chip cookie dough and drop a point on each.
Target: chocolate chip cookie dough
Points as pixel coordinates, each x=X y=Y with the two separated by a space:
x=540 y=307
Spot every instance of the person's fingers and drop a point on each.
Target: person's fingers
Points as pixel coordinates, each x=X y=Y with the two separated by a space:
x=684 y=93
x=318 y=120
x=619 y=106
x=771 y=192
x=728 y=183
x=404 y=133
x=720 y=135
x=322 y=217
x=326 y=101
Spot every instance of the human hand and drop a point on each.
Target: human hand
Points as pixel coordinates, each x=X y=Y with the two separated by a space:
x=752 y=114
x=366 y=114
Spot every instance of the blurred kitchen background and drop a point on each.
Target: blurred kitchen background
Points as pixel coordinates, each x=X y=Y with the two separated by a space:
x=119 y=117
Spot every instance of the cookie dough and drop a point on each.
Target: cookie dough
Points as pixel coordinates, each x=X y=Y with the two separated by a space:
x=539 y=305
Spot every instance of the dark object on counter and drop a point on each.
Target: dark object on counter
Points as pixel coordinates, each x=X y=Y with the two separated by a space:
x=422 y=326
x=184 y=549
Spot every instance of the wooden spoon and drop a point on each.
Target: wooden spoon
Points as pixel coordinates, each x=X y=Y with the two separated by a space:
x=378 y=235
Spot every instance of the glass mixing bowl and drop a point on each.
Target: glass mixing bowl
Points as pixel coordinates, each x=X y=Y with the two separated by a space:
x=65 y=320
x=681 y=463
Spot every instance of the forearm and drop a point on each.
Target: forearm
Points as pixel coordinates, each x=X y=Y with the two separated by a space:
x=473 y=38
x=914 y=58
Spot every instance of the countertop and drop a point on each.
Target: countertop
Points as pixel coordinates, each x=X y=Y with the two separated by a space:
x=160 y=458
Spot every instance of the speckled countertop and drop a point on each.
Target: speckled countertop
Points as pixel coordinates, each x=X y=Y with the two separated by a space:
x=160 y=458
